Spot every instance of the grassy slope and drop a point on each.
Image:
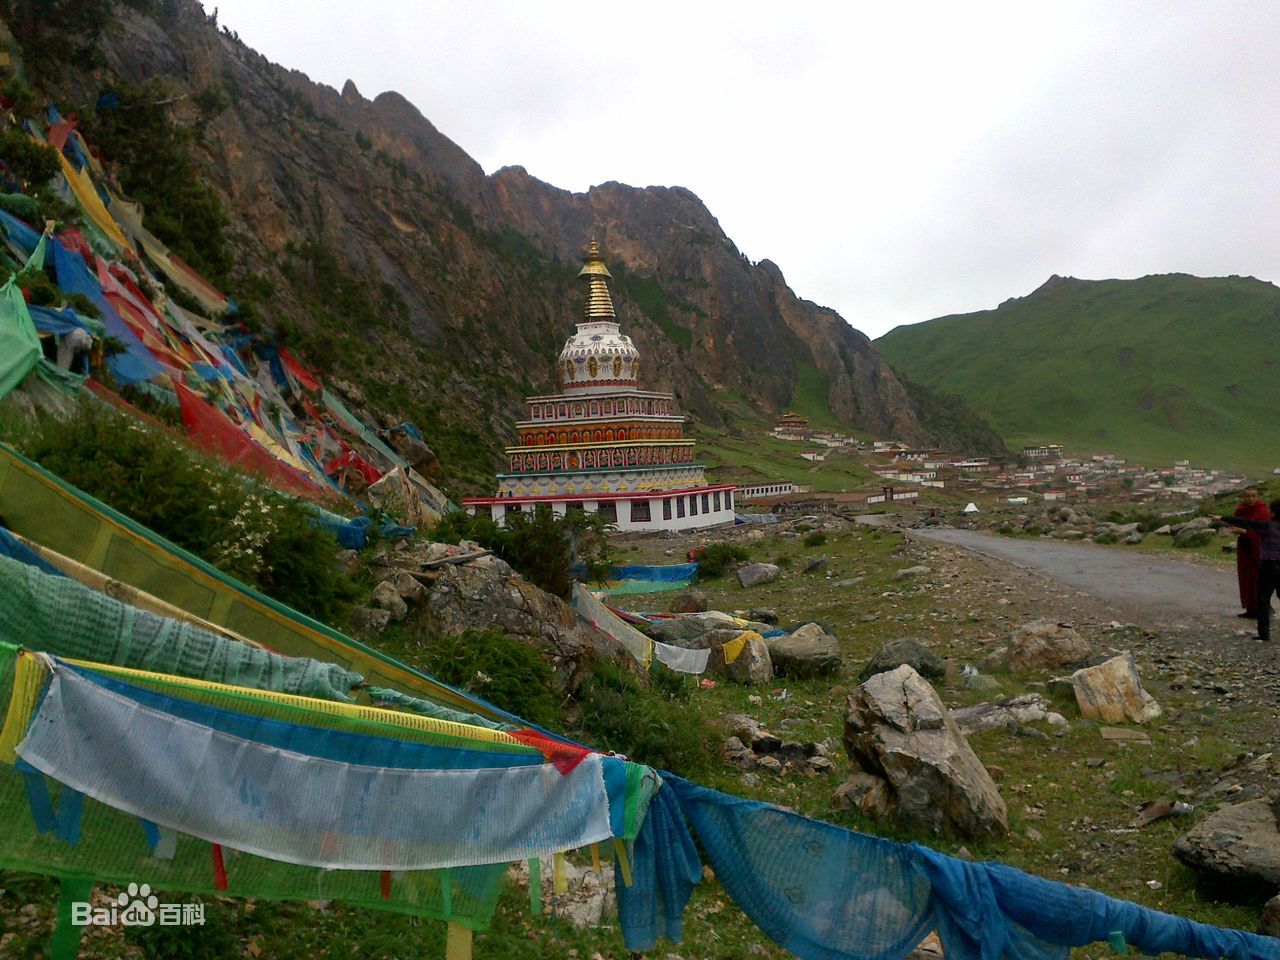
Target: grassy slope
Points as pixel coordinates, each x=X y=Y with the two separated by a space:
x=1156 y=369
x=744 y=453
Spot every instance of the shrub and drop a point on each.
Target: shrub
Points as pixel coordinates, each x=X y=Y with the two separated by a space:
x=716 y=559
x=542 y=547
x=241 y=527
x=815 y=539
x=659 y=725
x=503 y=670
x=1198 y=539
x=33 y=163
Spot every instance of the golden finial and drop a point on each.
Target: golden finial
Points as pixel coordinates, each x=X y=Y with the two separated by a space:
x=599 y=305
x=594 y=265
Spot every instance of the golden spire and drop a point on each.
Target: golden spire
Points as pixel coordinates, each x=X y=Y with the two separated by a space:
x=599 y=305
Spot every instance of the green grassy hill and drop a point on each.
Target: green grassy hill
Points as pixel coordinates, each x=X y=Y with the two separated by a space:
x=1155 y=369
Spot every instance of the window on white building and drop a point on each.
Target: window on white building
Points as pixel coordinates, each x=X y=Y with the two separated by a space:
x=640 y=511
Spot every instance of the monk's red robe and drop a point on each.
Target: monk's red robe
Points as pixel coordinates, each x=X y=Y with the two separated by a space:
x=1247 y=547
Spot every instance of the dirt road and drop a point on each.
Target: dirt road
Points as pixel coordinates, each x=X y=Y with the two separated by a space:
x=1163 y=589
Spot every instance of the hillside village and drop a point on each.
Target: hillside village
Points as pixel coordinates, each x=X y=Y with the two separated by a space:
x=1043 y=473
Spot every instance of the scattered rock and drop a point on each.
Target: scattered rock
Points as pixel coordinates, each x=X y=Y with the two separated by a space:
x=746 y=729
x=587 y=897
x=691 y=601
x=1112 y=692
x=817 y=565
x=911 y=652
x=409 y=587
x=906 y=572
x=808 y=652
x=1238 y=848
x=370 y=620
x=867 y=794
x=765 y=615
x=1027 y=708
x=387 y=597
x=1045 y=645
x=754 y=574
x=896 y=728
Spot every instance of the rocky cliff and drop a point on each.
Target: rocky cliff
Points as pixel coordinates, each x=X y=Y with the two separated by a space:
x=441 y=293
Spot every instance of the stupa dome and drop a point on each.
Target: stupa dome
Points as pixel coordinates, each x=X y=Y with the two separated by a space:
x=598 y=357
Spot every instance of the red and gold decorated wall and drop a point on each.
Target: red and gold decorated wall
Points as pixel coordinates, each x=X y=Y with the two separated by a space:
x=598 y=432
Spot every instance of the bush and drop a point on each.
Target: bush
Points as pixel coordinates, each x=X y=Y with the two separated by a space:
x=716 y=559
x=241 y=527
x=659 y=725
x=1199 y=539
x=33 y=163
x=815 y=539
x=503 y=670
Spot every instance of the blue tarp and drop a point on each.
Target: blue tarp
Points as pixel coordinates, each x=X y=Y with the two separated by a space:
x=136 y=363
x=668 y=573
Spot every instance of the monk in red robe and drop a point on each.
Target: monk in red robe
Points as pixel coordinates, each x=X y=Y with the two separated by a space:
x=1247 y=546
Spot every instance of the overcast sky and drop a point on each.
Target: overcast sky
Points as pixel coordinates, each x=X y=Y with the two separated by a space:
x=898 y=161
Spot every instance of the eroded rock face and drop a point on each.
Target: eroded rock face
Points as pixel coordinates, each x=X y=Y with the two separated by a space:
x=1045 y=645
x=1112 y=692
x=1238 y=847
x=896 y=728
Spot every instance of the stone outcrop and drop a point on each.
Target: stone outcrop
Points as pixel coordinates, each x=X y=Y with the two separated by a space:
x=1238 y=848
x=1045 y=645
x=1112 y=692
x=807 y=652
x=897 y=729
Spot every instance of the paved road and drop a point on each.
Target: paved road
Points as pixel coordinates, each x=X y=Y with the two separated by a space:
x=1165 y=589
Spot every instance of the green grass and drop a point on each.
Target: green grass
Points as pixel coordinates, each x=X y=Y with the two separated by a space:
x=755 y=457
x=1155 y=369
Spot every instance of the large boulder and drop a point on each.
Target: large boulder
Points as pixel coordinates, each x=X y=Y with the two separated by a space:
x=1045 y=645
x=896 y=728
x=751 y=663
x=486 y=594
x=1237 y=848
x=808 y=652
x=1112 y=692
x=905 y=650
x=754 y=574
